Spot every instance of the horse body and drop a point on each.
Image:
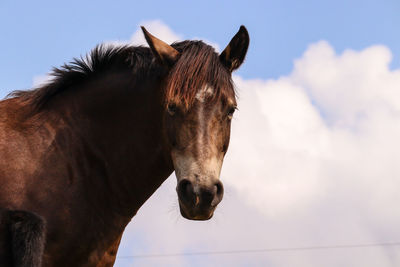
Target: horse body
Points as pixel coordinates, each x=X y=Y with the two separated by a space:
x=82 y=164
x=59 y=166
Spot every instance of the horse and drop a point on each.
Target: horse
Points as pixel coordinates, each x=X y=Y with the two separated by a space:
x=83 y=152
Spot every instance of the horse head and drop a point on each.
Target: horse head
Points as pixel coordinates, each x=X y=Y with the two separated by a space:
x=199 y=102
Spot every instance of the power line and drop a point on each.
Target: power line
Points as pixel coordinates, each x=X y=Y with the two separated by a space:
x=244 y=251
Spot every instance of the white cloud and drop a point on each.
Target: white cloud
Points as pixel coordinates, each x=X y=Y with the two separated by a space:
x=41 y=80
x=359 y=81
x=334 y=119
x=313 y=161
x=163 y=32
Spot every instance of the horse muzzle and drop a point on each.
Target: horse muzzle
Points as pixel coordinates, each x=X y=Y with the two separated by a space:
x=197 y=201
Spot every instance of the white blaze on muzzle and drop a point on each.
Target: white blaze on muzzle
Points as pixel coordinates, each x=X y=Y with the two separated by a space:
x=199 y=171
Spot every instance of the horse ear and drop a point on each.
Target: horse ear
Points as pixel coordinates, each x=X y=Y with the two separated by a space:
x=233 y=55
x=164 y=53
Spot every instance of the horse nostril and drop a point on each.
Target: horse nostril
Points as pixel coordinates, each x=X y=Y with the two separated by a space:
x=185 y=190
x=207 y=195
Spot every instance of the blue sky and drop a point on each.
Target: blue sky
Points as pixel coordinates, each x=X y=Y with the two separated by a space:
x=318 y=120
x=39 y=34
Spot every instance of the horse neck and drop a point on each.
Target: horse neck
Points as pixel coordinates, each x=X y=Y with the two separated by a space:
x=117 y=122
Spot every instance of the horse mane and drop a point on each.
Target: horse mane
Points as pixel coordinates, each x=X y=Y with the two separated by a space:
x=198 y=66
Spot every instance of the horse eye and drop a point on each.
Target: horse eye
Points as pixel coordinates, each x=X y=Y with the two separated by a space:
x=172 y=109
x=231 y=111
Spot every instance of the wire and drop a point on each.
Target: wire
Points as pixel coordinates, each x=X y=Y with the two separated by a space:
x=200 y=253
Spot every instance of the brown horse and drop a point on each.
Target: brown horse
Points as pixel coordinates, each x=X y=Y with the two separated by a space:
x=81 y=154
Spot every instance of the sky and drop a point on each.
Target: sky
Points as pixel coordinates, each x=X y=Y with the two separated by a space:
x=313 y=160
